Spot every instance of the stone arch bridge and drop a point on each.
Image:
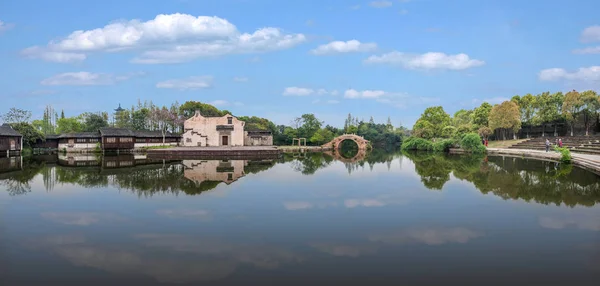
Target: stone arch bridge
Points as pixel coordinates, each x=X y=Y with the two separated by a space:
x=362 y=143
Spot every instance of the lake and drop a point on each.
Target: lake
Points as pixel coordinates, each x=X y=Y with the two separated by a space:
x=383 y=218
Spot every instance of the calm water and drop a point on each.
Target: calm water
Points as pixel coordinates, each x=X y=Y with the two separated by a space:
x=382 y=219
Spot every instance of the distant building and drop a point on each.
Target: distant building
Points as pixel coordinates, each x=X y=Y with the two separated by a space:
x=117 y=138
x=258 y=138
x=155 y=138
x=213 y=131
x=11 y=141
x=76 y=142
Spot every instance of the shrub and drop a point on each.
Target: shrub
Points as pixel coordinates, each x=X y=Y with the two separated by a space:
x=443 y=145
x=415 y=143
x=565 y=154
x=472 y=143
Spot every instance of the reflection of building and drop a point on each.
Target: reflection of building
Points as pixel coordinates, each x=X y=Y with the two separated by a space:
x=213 y=131
x=205 y=171
x=11 y=164
x=258 y=138
x=10 y=140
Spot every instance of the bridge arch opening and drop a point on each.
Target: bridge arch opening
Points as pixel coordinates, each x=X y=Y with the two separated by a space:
x=348 y=148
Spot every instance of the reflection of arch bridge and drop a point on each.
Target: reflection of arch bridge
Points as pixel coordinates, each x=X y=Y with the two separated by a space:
x=360 y=156
x=362 y=143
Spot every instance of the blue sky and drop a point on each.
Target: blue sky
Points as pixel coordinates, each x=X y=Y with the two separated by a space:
x=280 y=59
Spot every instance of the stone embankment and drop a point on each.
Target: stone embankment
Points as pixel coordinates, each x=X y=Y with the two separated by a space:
x=585 y=161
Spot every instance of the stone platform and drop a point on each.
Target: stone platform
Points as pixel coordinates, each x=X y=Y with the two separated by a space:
x=220 y=152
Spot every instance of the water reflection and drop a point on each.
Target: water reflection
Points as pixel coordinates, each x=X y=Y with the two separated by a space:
x=302 y=219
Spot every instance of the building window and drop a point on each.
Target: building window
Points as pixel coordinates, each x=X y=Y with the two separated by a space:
x=126 y=140
x=188 y=140
x=93 y=140
x=111 y=140
x=229 y=120
x=229 y=176
x=80 y=140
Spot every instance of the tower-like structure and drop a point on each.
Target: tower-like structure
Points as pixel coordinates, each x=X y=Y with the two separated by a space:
x=118 y=110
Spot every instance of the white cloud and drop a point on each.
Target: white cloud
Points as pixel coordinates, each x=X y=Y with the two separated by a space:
x=427 y=61
x=355 y=7
x=332 y=101
x=588 y=50
x=5 y=26
x=429 y=236
x=591 y=34
x=170 y=38
x=381 y=4
x=194 y=82
x=351 y=93
x=53 y=56
x=82 y=78
x=589 y=74
x=240 y=79
x=351 y=46
x=297 y=91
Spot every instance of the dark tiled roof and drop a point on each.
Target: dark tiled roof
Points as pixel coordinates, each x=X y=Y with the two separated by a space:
x=117 y=132
x=258 y=132
x=6 y=130
x=79 y=135
x=52 y=136
x=153 y=134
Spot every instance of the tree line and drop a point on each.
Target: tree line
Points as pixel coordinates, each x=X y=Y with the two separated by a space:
x=150 y=117
x=518 y=115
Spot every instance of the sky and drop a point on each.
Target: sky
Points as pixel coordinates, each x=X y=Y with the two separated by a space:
x=281 y=59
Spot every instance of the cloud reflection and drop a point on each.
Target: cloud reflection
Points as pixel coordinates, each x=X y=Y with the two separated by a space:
x=79 y=218
x=185 y=213
x=585 y=223
x=429 y=236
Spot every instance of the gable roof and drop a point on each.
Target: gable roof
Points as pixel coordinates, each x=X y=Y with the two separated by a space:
x=117 y=132
x=153 y=134
x=6 y=130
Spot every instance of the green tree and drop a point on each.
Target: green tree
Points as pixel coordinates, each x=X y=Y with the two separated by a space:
x=16 y=115
x=571 y=107
x=309 y=125
x=322 y=136
x=481 y=115
x=434 y=118
x=188 y=109
x=92 y=122
x=591 y=104
x=548 y=109
x=30 y=133
x=69 y=125
x=139 y=119
x=527 y=108
x=505 y=117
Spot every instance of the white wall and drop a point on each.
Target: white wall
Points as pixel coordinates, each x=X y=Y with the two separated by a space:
x=77 y=147
x=205 y=132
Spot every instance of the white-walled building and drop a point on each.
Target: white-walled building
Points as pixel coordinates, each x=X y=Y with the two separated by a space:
x=213 y=131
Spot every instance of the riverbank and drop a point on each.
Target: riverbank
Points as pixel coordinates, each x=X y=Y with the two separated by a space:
x=297 y=149
x=588 y=162
x=216 y=152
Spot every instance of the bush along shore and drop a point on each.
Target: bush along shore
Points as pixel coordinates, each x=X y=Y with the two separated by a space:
x=469 y=143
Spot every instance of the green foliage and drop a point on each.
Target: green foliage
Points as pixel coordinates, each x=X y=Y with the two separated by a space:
x=416 y=143
x=443 y=145
x=472 y=143
x=69 y=125
x=565 y=154
x=432 y=123
x=30 y=133
x=92 y=122
x=481 y=114
x=188 y=109
x=505 y=116
x=16 y=115
x=322 y=136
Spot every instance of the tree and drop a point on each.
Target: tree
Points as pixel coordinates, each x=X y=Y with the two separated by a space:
x=434 y=118
x=527 y=108
x=484 y=132
x=309 y=125
x=139 y=119
x=69 y=125
x=571 y=107
x=389 y=123
x=188 y=109
x=548 y=109
x=372 y=121
x=590 y=105
x=16 y=115
x=505 y=116
x=62 y=113
x=92 y=122
x=30 y=134
x=481 y=115
x=322 y=136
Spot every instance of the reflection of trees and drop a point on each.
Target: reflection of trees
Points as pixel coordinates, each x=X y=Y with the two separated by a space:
x=511 y=178
x=147 y=179
x=309 y=163
x=17 y=182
